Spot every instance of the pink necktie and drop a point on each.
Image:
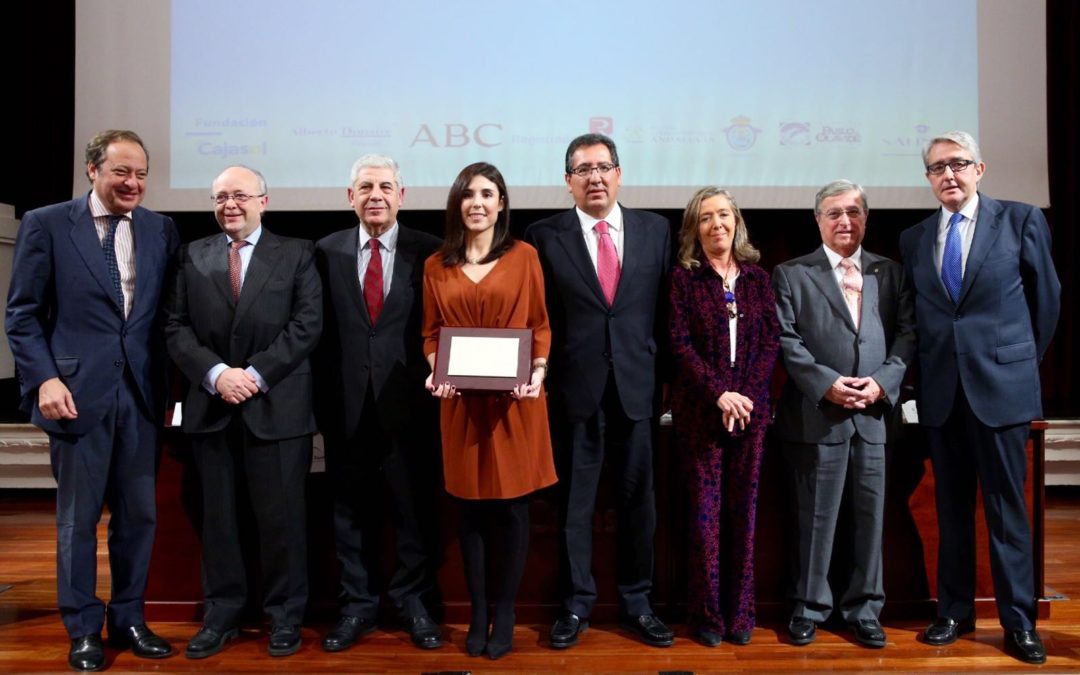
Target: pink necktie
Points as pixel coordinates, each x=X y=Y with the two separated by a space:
x=852 y=284
x=373 y=282
x=607 y=262
x=234 y=267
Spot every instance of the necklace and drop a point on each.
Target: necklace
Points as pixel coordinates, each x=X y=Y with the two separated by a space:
x=729 y=295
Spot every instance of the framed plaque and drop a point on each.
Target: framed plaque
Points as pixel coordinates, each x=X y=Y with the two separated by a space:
x=484 y=359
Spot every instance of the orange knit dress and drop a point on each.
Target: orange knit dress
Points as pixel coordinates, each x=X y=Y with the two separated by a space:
x=493 y=446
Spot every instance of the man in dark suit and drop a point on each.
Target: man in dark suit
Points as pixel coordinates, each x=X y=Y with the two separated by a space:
x=987 y=300
x=84 y=326
x=378 y=421
x=604 y=267
x=244 y=314
x=846 y=339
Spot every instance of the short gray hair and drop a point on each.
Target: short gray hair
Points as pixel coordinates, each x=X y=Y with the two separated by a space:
x=839 y=187
x=375 y=161
x=961 y=138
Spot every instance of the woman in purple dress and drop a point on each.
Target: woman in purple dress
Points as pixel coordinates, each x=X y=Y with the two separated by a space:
x=724 y=337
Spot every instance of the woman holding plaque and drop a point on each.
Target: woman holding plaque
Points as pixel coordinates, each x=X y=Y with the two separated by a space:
x=496 y=445
x=724 y=338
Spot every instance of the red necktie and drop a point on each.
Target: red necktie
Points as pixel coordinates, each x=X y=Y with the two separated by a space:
x=852 y=284
x=607 y=262
x=235 y=267
x=373 y=282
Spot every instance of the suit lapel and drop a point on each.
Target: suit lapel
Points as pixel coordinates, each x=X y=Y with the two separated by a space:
x=927 y=276
x=870 y=291
x=573 y=244
x=822 y=276
x=404 y=263
x=84 y=236
x=147 y=241
x=263 y=261
x=633 y=246
x=211 y=258
x=987 y=228
x=345 y=271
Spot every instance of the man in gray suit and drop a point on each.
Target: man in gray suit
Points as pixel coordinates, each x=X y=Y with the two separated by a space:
x=244 y=314
x=846 y=338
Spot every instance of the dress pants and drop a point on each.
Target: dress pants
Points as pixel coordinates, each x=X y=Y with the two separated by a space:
x=376 y=476
x=961 y=451
x=581 y=450
x=822 y=475
x=235 y=465
x=114 y=464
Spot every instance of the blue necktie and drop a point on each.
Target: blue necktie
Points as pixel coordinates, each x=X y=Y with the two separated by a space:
x=108 y=245
x=952 y=271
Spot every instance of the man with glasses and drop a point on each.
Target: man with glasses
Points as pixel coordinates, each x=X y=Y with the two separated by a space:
x=987 y=300
x=244 y=312
x=846 y=339
x=82 y=322
x=604 y=266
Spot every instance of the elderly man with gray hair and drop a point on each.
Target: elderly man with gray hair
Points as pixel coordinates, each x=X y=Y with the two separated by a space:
x=846 y=339
x=378 y=421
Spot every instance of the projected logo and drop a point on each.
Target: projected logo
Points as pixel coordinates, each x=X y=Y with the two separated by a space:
x=838 y=135
x=907 y=143
x=455 y=135
x=795 y=133
x=602 y=125
x=741 y=135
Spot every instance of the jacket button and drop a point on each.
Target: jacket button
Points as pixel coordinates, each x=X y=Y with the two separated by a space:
x=118 y=363
x=372 y=333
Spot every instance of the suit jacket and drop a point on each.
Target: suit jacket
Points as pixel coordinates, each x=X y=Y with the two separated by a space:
x=586 y=332
x=819 y=343
x=991 y=341
x=354 y=354
x=274 y=328
x=63 y=318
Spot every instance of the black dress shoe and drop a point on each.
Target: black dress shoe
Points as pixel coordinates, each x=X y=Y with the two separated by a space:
x=87 y=653
x=348 y=630
x=284 y=640
x=801 y=630
x=740 y=638
x=1025 y=645
x=566 y=629
x=944 y=630
x=650 y=629
x=142 y=641
x=209 y=641
x=709 y=638
x=869 y=633
x=424 y=632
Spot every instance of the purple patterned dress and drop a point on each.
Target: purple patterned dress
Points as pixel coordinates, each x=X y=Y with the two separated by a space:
x=722 y=468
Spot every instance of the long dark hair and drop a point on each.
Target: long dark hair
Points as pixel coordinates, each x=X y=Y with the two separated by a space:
x=453 y=248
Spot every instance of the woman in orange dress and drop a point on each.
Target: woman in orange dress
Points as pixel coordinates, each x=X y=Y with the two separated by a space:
x=496 y=447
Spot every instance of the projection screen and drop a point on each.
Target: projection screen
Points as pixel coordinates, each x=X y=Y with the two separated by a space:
x=771 y=98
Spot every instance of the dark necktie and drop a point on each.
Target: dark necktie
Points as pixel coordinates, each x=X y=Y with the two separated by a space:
x=108 y=245
x=373 y=282
x=607 y=262
x=235 y=267
x=952 y=270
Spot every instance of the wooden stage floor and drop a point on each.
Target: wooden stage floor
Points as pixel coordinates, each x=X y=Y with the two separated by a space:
x=32 y=639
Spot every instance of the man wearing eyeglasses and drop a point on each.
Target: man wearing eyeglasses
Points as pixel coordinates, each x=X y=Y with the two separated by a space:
x=244 y=312
x=82 y=322
x=846 y=339
x=604 y=266
x=987 y=301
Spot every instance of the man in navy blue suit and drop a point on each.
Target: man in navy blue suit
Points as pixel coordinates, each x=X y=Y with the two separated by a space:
x=604 y=268
x=987 y=300
x=84 y=326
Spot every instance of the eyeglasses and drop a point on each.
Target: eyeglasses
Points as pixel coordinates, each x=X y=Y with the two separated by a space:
x=956 y=165
x=586 y=171
x=852 y=213
x=239 y=197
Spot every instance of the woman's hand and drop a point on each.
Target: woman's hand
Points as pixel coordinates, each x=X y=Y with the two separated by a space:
x=532 y=389
x=736 y=409
x=444 y=390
